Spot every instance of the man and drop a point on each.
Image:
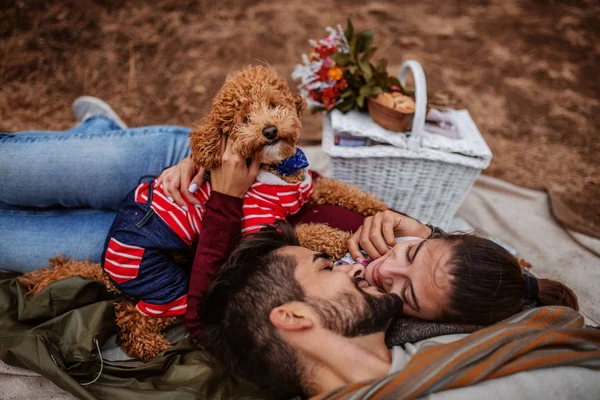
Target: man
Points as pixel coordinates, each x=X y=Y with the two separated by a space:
x=278 y=314
x=283 y=335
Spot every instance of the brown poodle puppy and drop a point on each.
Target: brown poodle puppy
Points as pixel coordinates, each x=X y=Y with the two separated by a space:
x=256 y=111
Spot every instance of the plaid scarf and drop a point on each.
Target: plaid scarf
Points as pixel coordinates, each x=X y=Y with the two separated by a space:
x=539 y=338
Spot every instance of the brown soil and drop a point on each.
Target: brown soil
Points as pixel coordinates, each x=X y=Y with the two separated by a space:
x=526 y=70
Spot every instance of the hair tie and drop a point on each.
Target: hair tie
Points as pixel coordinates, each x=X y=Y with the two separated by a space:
x=531 y=286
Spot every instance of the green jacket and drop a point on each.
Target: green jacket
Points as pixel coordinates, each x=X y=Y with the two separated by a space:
x=54 y=333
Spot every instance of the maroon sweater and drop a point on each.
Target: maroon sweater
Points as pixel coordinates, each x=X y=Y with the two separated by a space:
x=221 y=232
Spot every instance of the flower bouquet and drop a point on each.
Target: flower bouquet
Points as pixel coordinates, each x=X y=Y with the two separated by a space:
x=338 y=74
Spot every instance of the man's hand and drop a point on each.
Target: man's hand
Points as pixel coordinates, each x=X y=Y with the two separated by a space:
x=182 y=178
x=234 y=176
x=379 y=232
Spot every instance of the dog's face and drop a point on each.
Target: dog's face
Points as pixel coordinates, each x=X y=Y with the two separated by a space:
x=258 y=113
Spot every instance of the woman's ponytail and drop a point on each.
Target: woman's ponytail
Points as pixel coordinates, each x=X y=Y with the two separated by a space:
x=553 y=293
x=488 y=283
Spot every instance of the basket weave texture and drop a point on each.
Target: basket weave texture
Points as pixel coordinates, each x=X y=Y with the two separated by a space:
x=424 y=175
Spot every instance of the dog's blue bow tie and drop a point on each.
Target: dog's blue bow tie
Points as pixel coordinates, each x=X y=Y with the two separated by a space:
x=292 y=164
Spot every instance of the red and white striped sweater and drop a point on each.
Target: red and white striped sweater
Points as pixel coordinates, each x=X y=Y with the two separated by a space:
x=269 y=199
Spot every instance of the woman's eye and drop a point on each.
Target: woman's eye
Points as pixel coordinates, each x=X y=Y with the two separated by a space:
x=408 y=249
x=328 y=268
x=273 y=105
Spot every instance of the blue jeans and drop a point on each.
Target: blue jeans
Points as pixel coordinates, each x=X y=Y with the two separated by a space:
x=59 y=189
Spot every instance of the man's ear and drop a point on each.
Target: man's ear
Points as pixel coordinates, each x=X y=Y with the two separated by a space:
x=300 y=104
x=205 y=143
x=291 y=316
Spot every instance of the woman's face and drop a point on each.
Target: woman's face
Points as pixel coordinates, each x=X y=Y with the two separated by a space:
x=415 y=270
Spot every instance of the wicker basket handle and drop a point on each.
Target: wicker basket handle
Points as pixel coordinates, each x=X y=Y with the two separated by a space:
x=420 y=99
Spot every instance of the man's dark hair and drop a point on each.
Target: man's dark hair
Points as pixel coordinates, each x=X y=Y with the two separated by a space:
x=235 y=310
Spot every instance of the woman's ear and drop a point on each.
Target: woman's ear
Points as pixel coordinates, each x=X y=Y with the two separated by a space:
x=205 y=143
x=291 y=317
x=300 y=104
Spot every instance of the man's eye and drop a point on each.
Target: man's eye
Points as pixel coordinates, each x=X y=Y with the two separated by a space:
x=408 y=249
x=328 y=267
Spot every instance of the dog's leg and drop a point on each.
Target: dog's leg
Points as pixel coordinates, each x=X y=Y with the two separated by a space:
x=330 y=191
x=321 y=237
x=62 y=268
x=141 y=336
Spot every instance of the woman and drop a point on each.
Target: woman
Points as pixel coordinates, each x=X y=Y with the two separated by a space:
x=448 y=277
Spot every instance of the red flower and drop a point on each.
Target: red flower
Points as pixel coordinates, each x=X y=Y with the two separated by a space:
x=325 y=51
x=328 y=98
x=341 y=84
x=323 y=74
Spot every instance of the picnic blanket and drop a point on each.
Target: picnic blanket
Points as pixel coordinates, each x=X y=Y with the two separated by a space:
x=58 y=334
x=544 y=337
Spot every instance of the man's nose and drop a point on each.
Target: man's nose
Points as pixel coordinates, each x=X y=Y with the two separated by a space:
x=356 y=271
x=352 y=270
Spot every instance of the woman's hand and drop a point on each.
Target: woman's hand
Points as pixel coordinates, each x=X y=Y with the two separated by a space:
x=379 y=232
x=182 y=178
x=234 y=176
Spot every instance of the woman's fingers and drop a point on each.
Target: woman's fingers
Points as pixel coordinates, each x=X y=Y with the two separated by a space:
x=187 y=176
x=176 y=181
x=376 y=234
x=170 y=179
x=387 y=228
x=365 y=239
x=197 y=181
x=353 y=244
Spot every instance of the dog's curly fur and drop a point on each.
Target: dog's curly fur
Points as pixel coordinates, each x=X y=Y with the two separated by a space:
x=249 y=101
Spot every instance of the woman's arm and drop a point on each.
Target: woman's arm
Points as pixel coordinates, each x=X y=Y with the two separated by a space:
x=221 y=232
x=221 y=227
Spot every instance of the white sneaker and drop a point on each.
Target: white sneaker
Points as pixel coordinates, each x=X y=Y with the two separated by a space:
x=87 y=106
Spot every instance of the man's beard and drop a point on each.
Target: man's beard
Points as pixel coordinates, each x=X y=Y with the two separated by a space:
x=346 y=315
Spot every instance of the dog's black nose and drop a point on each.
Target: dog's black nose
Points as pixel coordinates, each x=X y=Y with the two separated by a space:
x=270 y=132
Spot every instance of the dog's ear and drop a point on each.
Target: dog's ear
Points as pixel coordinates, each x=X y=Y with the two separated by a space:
x=300 y=104
x=205 y=143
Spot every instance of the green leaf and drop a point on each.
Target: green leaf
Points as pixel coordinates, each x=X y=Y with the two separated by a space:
x=345 y=106
x=366 y=69
x=349 y=30
x=341 y=59
x=347 y=93
x=370 y=90
x=353 y=69
x=365 y=41
x=367 y=56
x=353 y=42
x=393 y=81
x=360 y=100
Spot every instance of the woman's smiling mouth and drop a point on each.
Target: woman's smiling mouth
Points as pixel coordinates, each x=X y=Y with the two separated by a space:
x=375 y=275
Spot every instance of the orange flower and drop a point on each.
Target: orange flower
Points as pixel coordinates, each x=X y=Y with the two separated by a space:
x=335 y=73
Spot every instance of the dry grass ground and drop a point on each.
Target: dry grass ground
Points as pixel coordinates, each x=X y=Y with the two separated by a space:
x=526 y=70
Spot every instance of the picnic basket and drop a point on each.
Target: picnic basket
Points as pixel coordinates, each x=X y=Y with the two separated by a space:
x=422 y=174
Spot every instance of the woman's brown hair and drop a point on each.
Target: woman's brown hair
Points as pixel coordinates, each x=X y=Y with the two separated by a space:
x=488 y=284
